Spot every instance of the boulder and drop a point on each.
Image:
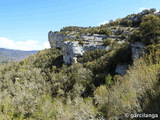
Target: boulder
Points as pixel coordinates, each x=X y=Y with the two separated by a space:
x=121 y=69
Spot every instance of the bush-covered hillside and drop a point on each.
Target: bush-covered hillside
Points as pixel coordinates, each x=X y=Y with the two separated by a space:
x=42 y=87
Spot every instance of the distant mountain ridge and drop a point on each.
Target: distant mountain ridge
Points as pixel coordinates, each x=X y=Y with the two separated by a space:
x=4 y=58
x=14 y=55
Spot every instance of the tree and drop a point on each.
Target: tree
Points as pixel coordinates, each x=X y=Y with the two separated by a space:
x=105 y=31
x=150 y=29
x=114 y=23
x=107 y=42
x=135 y=36
x=152 y=10
x=109 y=80
x=127 y=22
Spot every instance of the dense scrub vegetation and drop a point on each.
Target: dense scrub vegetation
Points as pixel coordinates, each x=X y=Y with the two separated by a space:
x=42 y=87
x=37 y=88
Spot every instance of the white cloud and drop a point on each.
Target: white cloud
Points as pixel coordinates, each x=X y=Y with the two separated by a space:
x=104 y=22
x=46 y=44
x=142 y=8
x=23 y=45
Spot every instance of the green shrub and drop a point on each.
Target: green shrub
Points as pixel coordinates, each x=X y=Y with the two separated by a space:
x=126 y=22
x=107 y=42
x=150 y=29
x=105 y=31
x=109 y=80
x=123 y=36
x=92 y=55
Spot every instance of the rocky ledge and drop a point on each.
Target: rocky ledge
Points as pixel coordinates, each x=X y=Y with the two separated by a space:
x=73 y=49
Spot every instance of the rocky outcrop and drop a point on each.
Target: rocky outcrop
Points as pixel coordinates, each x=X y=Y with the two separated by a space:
x=137 y=50
x=95 y=38
x=56 y=38
x=72 y=49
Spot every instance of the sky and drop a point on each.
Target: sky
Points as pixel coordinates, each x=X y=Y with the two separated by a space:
x=24 y=24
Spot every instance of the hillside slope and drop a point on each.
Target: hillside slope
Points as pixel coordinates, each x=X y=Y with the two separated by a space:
x=44 y=87
x=44 y=83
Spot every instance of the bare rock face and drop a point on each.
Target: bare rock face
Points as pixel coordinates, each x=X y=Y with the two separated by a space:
x=70 y=51
x=137 y=50
x=95 y=38
x=55 y=39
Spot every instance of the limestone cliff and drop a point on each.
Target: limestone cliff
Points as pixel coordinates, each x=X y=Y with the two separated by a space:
x=72 y=49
